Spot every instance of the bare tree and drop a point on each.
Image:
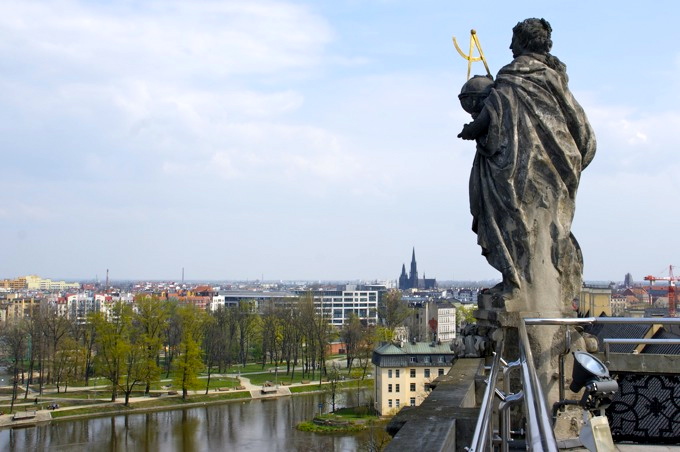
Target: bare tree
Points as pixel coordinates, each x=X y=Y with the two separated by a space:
x=393 y=309
x=56 y=328
x=15 y=338
x=212 y=346
x=151 y=320
x=351 y=334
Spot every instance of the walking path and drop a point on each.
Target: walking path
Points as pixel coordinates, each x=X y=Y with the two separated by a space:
x=34 y=413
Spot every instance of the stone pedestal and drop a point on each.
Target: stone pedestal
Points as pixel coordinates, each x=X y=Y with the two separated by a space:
x=547 y=342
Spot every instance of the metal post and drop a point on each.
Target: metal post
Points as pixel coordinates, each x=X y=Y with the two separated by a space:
x=482 y=439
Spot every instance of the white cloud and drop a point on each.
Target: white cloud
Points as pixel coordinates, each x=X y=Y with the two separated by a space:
x=634 y=141
x=163 y=39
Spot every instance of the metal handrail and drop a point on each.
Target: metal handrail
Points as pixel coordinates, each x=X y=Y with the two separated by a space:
x=636 y=342
x=604 y=320
x=482 y=437
x=641 y=341
x=539 y=427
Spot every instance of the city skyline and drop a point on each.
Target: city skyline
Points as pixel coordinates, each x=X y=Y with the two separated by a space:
x=307 y=140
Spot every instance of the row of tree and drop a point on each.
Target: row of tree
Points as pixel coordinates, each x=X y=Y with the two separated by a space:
x=138 y=344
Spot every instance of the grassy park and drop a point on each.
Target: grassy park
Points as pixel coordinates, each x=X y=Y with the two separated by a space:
x=78 y=400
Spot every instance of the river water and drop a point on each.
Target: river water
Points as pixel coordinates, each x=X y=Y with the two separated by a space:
x=255 y=425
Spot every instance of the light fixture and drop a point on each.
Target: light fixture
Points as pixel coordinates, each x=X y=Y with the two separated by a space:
x=591 y=373
x=587 y=368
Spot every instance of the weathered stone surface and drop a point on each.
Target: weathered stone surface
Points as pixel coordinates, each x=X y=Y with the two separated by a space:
x=533 y=141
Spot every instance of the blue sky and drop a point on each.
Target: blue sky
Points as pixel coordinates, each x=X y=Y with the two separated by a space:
x=307 y=140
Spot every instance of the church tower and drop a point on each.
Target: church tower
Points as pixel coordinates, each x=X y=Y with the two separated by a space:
x=413 y=276
x=403 y=279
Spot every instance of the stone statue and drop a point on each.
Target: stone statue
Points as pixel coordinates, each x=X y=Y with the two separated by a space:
x=533 y=141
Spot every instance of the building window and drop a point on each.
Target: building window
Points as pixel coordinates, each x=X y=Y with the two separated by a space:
x=389 y=373
x=441 y=372
x=441 y=359
x=413 y=401
x=389 y=403
x=396 y=402
x=396 y=389
x=396 y=373
x=413 y=373
x=413 y=359
x=427 y=359
x=413 y=387
x=389 y=388
x=427 y=374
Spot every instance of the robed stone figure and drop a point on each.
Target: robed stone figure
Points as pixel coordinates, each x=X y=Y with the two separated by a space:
x=533 y=141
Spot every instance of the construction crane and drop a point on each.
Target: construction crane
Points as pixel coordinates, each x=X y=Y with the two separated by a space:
x=671 y=288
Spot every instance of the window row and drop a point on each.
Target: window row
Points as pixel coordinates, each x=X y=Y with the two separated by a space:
x=397 y=402
x=427 y=359
x=426 y=373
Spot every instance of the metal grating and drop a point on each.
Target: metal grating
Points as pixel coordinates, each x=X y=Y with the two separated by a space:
x=646 y=409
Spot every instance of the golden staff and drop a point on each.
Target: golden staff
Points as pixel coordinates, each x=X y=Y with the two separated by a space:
x=474 y=42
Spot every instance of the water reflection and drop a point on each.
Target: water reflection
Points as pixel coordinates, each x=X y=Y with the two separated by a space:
x=265 y=424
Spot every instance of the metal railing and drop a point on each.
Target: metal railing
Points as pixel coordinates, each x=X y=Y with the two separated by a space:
x=539 y=426
x=540 y=435
x=483 y=436
x=607 y=342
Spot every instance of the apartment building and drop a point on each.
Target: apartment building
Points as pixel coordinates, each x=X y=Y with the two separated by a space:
x=338 y=305
x=404 y=370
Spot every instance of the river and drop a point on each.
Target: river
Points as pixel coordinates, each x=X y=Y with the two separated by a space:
x=255 y=425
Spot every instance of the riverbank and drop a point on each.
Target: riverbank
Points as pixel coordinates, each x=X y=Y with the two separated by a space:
x=161 y=402
x=249 y=425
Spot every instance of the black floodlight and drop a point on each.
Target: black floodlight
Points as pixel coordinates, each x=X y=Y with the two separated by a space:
x=591 y=373
x=587 y=368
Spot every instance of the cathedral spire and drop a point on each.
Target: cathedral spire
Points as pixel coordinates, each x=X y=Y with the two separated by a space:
x=403 y=278
x=413 y=275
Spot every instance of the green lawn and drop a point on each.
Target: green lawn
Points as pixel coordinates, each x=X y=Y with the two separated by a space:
x=258 y=379
x=153 y=403
x=220 y=382
x=366 y=384
x=251 y=367
x=215 y=383
x=352 y=419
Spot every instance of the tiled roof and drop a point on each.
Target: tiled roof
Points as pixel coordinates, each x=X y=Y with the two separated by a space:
x=635 y=291
x=420 y=354
x=612 y=331
x=410 y=348
x=663 y=349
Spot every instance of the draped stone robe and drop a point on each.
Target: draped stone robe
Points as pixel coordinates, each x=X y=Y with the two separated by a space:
x=524 y=181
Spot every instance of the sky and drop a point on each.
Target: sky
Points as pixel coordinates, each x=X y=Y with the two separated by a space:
x=308 y=140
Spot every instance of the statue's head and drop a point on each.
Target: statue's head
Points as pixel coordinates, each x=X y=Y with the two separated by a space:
x=474 y=92
x=531 y=35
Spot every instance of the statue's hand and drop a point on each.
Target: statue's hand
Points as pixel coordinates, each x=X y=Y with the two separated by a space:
x=467 y=132
x=476 y=128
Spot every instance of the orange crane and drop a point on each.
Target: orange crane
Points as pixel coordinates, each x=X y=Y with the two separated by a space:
x=671 y=288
